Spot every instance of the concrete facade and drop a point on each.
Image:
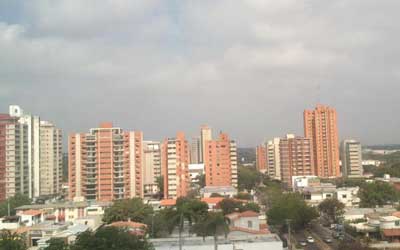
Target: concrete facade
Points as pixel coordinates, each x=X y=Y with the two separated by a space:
x=351 y=158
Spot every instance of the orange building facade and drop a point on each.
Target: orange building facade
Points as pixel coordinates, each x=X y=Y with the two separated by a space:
x=175 y=166
x=295 y=158
x=320 y=125
x=261 y=158
x=105 y=164
x=217 y=161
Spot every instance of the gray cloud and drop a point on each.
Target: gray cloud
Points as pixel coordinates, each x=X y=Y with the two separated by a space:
x=246 y=67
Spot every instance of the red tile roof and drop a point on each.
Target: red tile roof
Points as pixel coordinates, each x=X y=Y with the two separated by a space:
x=168 y=202
x=32 y=212
x=245 y=214
x=391 y=232
x=212 y=200
x=251 y=231
x=130 y=224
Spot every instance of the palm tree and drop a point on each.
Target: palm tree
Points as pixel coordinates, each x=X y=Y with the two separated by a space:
x=215 y=224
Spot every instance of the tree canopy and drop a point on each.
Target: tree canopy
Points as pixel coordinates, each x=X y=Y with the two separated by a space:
x=15 y=201
x=9 y=240
x=122 y=210
x=57 y=244
x=110 y=238
x=332 y=208
x=377 y=194
x=229 y=206
x=291 y=206
x=248 y=178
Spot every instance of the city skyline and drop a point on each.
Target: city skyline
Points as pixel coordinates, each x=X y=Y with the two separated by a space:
x=157 y=60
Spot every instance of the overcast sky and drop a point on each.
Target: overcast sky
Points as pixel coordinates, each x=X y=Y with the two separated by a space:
x=247 y=67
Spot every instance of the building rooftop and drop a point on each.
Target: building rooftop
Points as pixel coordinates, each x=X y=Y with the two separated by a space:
x=68 y=204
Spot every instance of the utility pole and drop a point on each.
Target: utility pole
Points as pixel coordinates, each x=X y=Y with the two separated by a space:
x=180 y=230
x=8 y=207
x=289 y=236
x=152 y=225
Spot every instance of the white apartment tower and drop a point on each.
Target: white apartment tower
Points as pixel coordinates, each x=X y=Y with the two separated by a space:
x=351 y=158
x=152 y=166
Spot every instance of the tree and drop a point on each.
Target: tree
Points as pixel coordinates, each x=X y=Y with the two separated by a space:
x=201 y=180
x=229 y=206
x=122 y=210
x=244 y=196
x=356 y=245
x=291 y=206
x=213 y=224
x=15 y=201
x=56 y=244
x=110 y=238
x=250 y=206
x=248 y=178
x=160 y=184
x=377 y=194
x=332 y=208
x=9 y=240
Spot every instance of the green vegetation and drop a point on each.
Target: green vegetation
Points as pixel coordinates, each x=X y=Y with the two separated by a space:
x=110 y=238
x=16 y=201
x=333 y=209
x=213 y=224
x=160 y=184
x=122 y=210
x=291 y=206
x=271 y=190
x=377 y=194
x=392 y=169
x=345 y=245
x=244 y=196
x=56 y=244
x=248 y=178
x=229 y=206
x=9 y=240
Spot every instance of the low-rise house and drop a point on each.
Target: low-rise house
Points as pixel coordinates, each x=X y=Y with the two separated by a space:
x=30 y=217
x=348 y=196
x=225 y=191
x=67 y=211
x=68 y=235
x=246 y=223
x=132 y=227
x=10 y=222
x=316 y=194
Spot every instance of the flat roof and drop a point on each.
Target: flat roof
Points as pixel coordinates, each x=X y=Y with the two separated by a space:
x=67 y=204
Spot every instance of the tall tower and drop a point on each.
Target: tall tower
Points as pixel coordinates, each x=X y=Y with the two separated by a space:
x=217 y=162
x=195 y=150
x=295 y=158
x=205 y=135
x=50 y=159
x=175 y=166
x=273 y=159
x=261 y=158
x=105 y=164
x=320 y=125
x=152 y=167
x=351 y=157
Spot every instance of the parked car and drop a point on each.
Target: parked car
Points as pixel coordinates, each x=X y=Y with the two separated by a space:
x=303 y=243
x=310 y=239
x=328 y=240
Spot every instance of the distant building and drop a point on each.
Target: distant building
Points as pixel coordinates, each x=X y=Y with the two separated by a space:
x=225 y=191
x=50 y=159
x=195 y=151
x=205 y=135
x=151 y=167
x=320 y=125
x=105 y=164
x=195 y=170
x=295 y=158
x=31 y=151
x=261 y=158
x=217 y=161
x=234 y=164
x=273 y=159
x=351 y=158
x=175 y=166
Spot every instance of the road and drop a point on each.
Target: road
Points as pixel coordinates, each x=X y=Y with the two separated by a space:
x=302 y=236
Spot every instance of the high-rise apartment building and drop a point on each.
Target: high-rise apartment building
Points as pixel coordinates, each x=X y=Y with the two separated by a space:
x=205 y=135
x=195 y=150
x=295 y=158
x=234 y=164
x=320 y=125
x=273 y=169
x=261 y=158
x=351 y=158
x=105 y=164
x=14 y=165
x=32 y=124
x=217 y=161
x=152 y=167
x=50 y=159
x=175 y=166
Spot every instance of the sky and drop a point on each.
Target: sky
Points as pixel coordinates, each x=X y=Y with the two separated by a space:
x=248 y=67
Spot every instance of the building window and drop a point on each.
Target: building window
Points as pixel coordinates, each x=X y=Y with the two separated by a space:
x=249 y=224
